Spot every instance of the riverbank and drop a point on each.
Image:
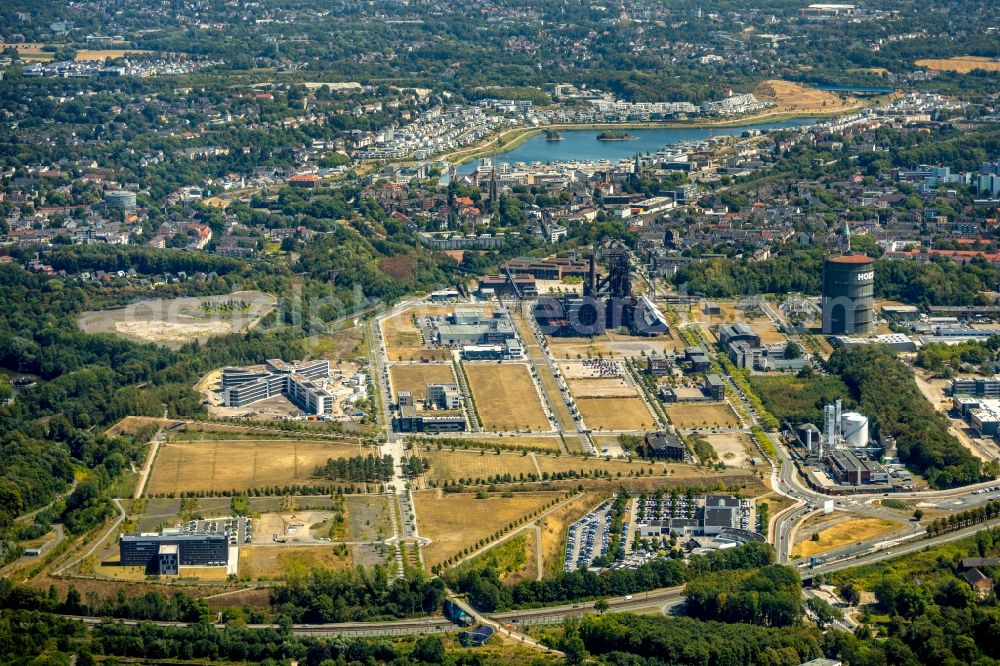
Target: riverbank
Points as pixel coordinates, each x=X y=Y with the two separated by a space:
x=513 y=138
x=509 y=140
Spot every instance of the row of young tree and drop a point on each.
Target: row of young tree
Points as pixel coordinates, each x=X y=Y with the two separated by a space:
x=960 y=519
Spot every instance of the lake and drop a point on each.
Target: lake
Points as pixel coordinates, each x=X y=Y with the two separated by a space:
x=583 y=145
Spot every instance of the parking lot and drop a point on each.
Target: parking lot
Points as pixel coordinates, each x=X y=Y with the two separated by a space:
x=589 y=538
x=238 y=529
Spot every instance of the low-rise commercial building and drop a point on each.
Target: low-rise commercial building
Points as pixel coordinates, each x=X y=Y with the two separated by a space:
x=153 y=550
x=660 y=365
x=664 y=445
x=981 y=387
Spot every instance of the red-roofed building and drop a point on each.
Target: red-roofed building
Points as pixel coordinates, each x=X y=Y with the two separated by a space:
x=306 y=180
x=960 y=257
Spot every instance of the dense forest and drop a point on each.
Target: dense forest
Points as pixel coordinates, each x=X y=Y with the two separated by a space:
x=924 y=443
x=364 y=594
x=770 y=596
x=645 y=640
x=85 y=381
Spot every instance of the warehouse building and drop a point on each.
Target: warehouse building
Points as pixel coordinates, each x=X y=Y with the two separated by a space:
x=467 y=326
x=847 y=468
x=166 y=553
x=509 y=350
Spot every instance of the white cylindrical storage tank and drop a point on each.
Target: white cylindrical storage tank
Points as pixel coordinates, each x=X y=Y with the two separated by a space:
x=854 y=428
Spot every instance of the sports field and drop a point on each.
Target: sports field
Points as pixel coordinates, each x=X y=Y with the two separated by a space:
x=615 y=413
x=961 y=64
x=216 y=465
x=506 y=398
x=701 y=415
x=458 y=521
x=415 y=378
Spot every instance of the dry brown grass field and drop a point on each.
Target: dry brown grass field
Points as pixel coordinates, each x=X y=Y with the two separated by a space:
x=732 y=448
x=601 y=388
x=457 y=521
x=105 y=54
x=615 y=413
x=701 y=415
x=506 y=397
x=454 y=465
x=843 y=534
x=961 y=64
x=30 y=51
x=417 y=354
x=551 y=464
x=415 y=377
x=768 y=332
x=788 y=96
x=400 y=331
x=216 y=465
x=132 y=424
x=277 y=562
